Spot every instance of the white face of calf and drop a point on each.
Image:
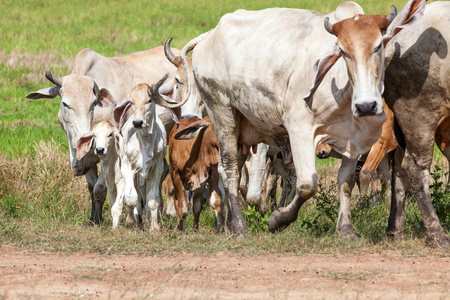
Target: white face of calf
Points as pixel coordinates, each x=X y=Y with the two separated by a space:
x=143 y=107
x=104 y=138
x=360 y=41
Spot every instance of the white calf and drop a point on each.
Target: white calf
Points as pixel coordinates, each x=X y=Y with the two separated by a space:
x=143 y=147
x=105 y=139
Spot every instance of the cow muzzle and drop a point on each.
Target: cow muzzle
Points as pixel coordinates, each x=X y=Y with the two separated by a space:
x=100 y=151
x=138 y=123
x=366 y=109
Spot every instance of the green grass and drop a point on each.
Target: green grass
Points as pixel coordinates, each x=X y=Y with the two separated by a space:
x=44 y=207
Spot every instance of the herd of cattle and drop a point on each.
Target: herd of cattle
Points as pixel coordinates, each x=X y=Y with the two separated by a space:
x=250 y=79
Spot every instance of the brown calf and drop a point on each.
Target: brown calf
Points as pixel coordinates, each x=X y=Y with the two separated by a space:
x=193 y=163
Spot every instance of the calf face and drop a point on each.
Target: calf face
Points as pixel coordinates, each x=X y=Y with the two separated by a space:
x=143 y=108
x=104 y=138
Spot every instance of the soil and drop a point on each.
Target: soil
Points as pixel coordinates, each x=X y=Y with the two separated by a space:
x=29 y=275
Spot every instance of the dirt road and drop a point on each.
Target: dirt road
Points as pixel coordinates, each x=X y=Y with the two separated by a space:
x=26 y=275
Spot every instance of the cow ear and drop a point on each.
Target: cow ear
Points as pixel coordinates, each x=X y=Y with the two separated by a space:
x=84 y=144
x=117 y=142
x=48 y=93
x=105 y=99
x=191 y=131
x=167 y=90
x=411 y=13
x=320 y=69
x=175 y=113
x=120 y=112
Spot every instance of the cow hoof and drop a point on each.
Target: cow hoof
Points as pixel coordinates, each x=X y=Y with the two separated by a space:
x=279 y=220
x=397 y=235
x=438 y=240
x=239 y=231
x=347 y=234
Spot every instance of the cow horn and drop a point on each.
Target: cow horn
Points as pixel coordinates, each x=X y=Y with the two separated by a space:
x=392 y=15
x=56 y=80
x=168 y=52
x=328 y=25
x=153 y=92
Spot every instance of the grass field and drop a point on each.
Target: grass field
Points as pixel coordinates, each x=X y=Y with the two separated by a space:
x=43 y=206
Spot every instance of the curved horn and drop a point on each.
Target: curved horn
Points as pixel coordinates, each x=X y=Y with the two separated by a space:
x=191 y=45
x=392 y=15
x=153 y=92
x=56 y=80
x=168 y=52
x=328 y=25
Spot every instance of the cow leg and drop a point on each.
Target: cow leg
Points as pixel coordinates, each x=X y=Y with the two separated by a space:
x=215 y=199
x=116 y=208
x=153 y=203
x=346 y=182
x=197 y=206
x=418 y=170
x=399 y=186
x=231 y=163
x=181 y=204
x=91 y=178
x=130 y=196
x=303 y=154
x=446 y=153
x=97 y=189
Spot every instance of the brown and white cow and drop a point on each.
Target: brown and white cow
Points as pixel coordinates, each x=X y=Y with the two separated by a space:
x=86 y=100
x=252 y=69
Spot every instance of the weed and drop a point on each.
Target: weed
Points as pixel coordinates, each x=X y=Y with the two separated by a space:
x=255 y=221
x=440 y=196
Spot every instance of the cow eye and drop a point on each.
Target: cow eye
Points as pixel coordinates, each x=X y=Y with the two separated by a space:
x=342 y=51
x=65 y=105
x=377 y=48
x=178 y=81
x=110 y=135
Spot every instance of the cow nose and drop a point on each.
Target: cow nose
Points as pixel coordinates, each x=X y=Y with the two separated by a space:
x=322 y=154
x=100 y=150
x=366 y=109
x=138 y=124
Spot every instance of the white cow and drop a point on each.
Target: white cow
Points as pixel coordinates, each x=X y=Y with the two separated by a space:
x=142 y=150
x=85 y=101
x=104 y=139
x=254 y=70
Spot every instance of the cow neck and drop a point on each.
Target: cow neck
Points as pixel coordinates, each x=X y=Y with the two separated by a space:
x=107 y=161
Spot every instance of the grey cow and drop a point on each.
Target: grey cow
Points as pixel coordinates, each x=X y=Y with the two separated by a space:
x=418 y=91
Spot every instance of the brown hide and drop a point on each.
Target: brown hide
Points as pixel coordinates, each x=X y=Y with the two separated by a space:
x=192 y=162
x=378 y=151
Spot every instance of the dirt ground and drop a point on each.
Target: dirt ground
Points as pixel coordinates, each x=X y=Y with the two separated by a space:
x=26 y=275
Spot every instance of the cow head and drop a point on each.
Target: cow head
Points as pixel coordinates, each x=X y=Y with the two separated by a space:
x=80 y=95
x=323 y=150
x=176 y=88
x=360 y=41
x=143 y=107
x=104 y=136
